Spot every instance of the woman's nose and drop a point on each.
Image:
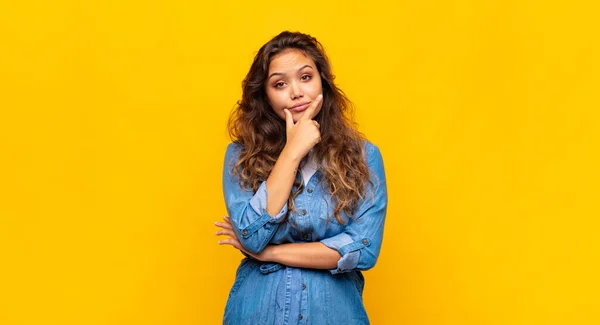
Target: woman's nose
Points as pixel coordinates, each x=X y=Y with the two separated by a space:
x=296 y=91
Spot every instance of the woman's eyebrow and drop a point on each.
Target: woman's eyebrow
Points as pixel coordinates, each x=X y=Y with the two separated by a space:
x=281 y=73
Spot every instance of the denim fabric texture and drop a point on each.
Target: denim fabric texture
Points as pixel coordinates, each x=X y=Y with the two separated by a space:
x=271 y=293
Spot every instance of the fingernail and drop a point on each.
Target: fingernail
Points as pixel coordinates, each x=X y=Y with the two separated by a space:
x=219 y=242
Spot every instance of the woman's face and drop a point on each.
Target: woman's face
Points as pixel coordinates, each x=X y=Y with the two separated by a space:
x=293 y=83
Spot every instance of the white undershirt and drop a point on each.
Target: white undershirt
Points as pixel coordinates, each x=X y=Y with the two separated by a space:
x=309 y=168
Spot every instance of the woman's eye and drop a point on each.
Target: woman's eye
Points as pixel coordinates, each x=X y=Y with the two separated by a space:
x=306 y=77
x=279 y=84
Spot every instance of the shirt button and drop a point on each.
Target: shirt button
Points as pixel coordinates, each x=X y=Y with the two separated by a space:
x=303 y=211
x=364 y=241
x=245 y=232
x=310 y=190
x=303 y=286
x=300 y=317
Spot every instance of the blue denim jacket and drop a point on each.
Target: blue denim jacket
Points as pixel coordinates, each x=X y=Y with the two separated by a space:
x=270 y=293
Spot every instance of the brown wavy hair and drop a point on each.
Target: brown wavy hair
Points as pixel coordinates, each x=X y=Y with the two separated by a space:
x=261 y=133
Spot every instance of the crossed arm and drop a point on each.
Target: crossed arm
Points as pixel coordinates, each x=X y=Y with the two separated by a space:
x=313 y=255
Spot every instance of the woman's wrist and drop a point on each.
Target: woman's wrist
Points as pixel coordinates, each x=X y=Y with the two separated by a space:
x=268 y=254
x=290 y=156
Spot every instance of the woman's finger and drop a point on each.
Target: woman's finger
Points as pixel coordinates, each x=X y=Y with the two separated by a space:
x=226 y=232
x=224 y=225
x=289 y=121
x=230 y=241
x=236 y=244
x=309 y=113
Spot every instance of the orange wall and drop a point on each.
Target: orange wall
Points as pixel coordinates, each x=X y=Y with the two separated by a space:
x=112 y=135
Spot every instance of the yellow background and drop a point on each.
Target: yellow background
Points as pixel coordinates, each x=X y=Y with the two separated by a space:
x=113 y=130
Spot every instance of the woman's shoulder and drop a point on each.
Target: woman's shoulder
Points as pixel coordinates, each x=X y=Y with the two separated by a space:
x=371 y=149
x=232 y=152
x=233 y=148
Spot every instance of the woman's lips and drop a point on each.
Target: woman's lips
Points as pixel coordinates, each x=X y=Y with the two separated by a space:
x=300 y=108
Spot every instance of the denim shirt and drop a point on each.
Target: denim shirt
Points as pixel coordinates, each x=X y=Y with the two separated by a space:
x=296 y=295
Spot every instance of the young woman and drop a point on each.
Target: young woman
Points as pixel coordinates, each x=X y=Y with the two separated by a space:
x=305 y=192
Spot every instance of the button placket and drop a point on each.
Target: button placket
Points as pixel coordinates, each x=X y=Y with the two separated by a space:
x=304 y=300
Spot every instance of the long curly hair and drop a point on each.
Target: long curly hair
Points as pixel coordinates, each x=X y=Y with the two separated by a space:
x=261 y=133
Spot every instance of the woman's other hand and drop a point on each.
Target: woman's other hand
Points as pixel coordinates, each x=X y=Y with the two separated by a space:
x=227 y=230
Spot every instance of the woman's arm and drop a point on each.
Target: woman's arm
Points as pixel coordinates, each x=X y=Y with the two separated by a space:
x=313 y=255
x=300 y=138
x=360 y=242
x=252 y=224
x=280 y=181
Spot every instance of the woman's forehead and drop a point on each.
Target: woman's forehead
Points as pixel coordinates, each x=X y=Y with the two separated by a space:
x=290 y=60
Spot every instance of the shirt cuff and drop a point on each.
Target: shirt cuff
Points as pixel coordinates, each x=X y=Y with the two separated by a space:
x=347 y=248
x=259 y=204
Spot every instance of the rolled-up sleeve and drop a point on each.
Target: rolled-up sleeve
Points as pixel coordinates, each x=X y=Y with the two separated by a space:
x=247 y=210
x=360 y=242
